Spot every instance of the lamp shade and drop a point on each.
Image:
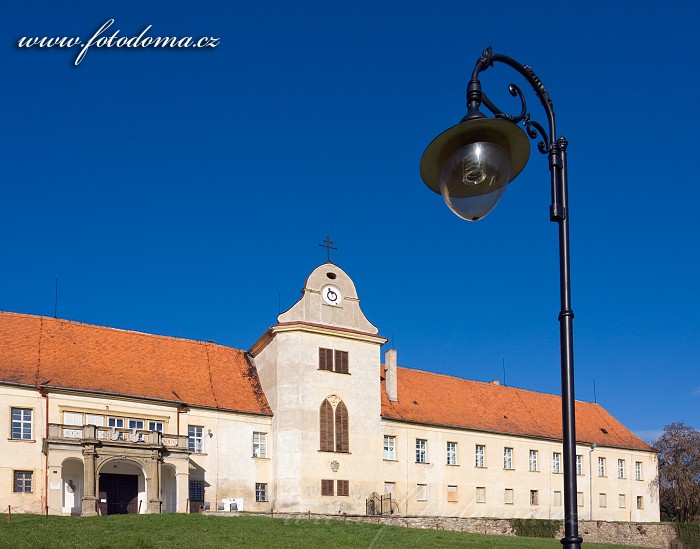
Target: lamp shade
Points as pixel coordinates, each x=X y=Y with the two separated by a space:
x=471 y=164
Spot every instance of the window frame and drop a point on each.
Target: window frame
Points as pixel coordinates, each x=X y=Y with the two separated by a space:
x=389 y=447
x=451 y=453
x=603 y=500
x=261 y=492
x=621 y=468
x=196 y=487
x=424 y=489
x=480 y=494
x=602 y=466
x=342 y=488
x=506 y=493
x=195 y=439
x=334 y=360
x=153 y=426
x=508 y=458
x=638 y=470
x=640 y=503
x=23 y=482
x=452 y=493
x=21 y=428
x=556 y=463
x=327 y=487
x=421 y=450
x=532 y=461
x=480 y=456
x=534 y=497
x=579 y=464
x=260 y=445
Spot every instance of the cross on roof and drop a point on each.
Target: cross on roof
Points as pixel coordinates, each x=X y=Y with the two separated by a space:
x=327 y=244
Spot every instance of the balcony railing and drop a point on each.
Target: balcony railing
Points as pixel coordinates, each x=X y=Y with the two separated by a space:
x=65 y=433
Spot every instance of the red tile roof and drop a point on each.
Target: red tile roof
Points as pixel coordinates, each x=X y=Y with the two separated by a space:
x=436 y=399
x=71 y=355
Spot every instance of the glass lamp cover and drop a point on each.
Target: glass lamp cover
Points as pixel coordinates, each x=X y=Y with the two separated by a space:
x=474 y=178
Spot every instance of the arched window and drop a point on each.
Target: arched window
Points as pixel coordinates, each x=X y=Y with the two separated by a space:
x=333 y=423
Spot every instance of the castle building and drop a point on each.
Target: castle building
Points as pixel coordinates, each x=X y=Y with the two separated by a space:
x=104 y=421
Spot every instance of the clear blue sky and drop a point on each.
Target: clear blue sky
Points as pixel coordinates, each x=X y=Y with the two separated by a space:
x=185 y=192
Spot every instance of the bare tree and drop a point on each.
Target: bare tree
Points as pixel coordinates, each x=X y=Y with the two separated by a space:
x=679 y=473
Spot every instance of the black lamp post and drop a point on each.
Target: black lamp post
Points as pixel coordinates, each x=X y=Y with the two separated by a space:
x=471 y=164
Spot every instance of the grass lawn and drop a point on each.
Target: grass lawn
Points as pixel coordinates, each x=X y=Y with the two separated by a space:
x=195 y=531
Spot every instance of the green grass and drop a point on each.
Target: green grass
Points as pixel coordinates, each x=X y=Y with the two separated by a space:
x=196 y=531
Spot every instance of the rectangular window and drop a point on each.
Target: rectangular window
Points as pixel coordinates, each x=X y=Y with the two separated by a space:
x=602 y=500
x=579 y=464
x=622 y=501
x=389 y=488
x=259 y=445
x=451 y=453
x=638 y=470
x=556 y=499
x=72 y=418
x=260 y=491
x=343 y=488
x=601 y=467
x=421 y=450
x=136 y=424
x=94 y=419
x=341 y=362
x=533 y=460
x=22 y=423
x=327 y=487
x=579 y=499
x=389 y=448
x=155 y=426
x=507 y=458
x=325 y=359
x=196 y=490
x=333 y=360
x=195 y=439
x=480 y=455
x=640 y=502
x=115 y=422
x=556 y=463
x=22 y=481
x=452 y=494
x=508 y=497
x=481 y=494
x=620 y=468
x=534 y=497
x=422 y=492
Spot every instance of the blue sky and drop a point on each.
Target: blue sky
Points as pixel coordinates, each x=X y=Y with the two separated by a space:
x=185 y=192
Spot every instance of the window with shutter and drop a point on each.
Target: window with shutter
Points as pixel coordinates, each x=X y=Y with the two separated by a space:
x=342 y=438
x=326 y=427
x=343 y=488
x=325 y=359
x=341 y=362
x=327 y=487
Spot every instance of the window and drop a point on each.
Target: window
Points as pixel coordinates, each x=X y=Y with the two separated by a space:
x=602 y=500
x=507 y=458
x=343 y=488
x=136 y=424
x=601 y=467
x=93 y=419
x=620 y=468
x=195 y=439
x=196 y=490
x=333 y=361
x=260 y=491
x=259 y=445
x=155 y=426
x=534 y=497
x=389 y=448
x=640 y=502
x=533 y=460
x=22 y=481
x=72 y=418
x=115 y=422
x=389 y=488
x=638 y=470
x=508 y=497
x=451 y=453
x=421 y=450
x=480 y=455
x=481 y=494
x=21 y=423
x=579 y=464
x=556 y=463
x=334 y=427
x=622 y=501
x=422 y=492
x=327 y=487
x=452 y=494
x=579 y=499
x=556 y=499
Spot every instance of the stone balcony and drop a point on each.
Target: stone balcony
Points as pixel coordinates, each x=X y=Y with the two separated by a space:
x=77 y=434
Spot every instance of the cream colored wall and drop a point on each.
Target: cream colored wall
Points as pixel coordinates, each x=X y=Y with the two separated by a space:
x=407 y=474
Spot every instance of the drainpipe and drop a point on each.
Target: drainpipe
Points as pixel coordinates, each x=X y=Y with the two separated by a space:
x=590 y=482
x=44 y=393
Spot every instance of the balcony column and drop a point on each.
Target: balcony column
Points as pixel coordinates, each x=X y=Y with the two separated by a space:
x=155 y=502
x=89 y=500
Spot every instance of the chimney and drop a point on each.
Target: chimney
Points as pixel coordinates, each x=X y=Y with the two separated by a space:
x=390 y=374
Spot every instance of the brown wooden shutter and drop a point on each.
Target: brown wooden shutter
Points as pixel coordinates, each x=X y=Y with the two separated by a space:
x=341 y=362
x=343 y=488
x=326 y=426
x=327 y=487
x=325 y=359
x=342 y=436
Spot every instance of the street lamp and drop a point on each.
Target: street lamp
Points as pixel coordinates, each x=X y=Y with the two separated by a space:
x=471 y=164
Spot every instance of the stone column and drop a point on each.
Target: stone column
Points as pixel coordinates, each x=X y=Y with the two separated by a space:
x=89 y=500
x=154 y=473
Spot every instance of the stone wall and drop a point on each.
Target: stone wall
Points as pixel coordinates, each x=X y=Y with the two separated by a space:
x=660 y=535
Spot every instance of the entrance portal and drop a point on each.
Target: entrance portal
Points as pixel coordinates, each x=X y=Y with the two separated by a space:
x=118 y=494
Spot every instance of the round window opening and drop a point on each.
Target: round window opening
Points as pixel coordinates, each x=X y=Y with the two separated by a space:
x=331 y=276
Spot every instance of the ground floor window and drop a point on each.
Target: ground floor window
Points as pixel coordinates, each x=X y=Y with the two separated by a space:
x=196 y=490
x=260 y=491
x=23 y=481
